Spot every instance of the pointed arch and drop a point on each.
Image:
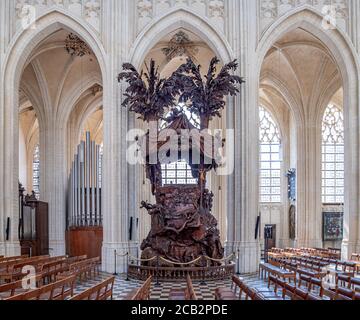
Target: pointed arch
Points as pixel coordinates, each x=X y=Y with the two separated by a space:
x=344 y=55
x=173 y=20
x=20 y=49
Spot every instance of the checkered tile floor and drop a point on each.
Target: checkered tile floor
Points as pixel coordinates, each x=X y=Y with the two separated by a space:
x=161 y=292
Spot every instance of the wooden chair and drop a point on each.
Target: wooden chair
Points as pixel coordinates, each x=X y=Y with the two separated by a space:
x=223 y=294
x=15 y=288
x=144 y=292
x=190 y=292
x=102 y=291
x=59 y=290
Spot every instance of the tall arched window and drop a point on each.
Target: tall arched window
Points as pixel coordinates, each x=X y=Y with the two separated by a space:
x=333 y=156
x=36 y=171
x=270 y=159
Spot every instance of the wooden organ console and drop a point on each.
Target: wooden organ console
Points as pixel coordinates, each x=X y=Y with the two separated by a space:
x=84 y=217
x=33 y=225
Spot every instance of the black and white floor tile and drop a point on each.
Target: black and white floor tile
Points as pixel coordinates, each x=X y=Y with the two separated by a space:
x=162 y=291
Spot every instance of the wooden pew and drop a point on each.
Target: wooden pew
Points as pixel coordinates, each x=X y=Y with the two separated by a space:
x=10 y=259
x=59 y=290
x=266 y=269
x=102 y=291
x=50 y=270
x=190 y=292
x=181 y=294
x=144 y=292
x=15 y=288
x=12 y=271
x=223 y=294
x=84 y=269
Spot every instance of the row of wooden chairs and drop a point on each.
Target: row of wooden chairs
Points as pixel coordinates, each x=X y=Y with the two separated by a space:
x=144 y=292
x=15 y=288
x=181 y=294
x=266 y=269
x=249 y=293
x=189 y=291
x=84 y=270
x=303 y=269
x=312 y=290
x=291 y=290
x=10 y=259
x=14 y=270
x=349 y=282
x=100 y=292
x=59 y=290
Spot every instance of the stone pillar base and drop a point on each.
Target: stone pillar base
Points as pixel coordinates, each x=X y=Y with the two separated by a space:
x=57 y=248
x=108 y=256
x=348 y=248
x=248 y=255
x=9 y=249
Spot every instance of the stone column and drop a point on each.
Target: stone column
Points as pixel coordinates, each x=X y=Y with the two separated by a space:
x=355 y=35
x=118 y=183
x=9 y=174
x=2 y=141
x=53 y=181
x=243 y=184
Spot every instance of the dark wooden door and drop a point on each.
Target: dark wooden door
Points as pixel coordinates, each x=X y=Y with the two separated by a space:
x=270 y=236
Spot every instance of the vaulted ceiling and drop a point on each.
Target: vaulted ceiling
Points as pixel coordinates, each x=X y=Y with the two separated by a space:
x=299 y=72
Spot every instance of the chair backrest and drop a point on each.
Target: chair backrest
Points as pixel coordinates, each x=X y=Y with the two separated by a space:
x=102 y=291
x=344 y=292
x=11 y=289
x=190 y=292
x=144 y=292
x=55 y=291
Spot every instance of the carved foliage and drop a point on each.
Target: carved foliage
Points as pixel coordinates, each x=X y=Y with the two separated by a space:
x=149 y=9
x=90 y=10
x=270 y=10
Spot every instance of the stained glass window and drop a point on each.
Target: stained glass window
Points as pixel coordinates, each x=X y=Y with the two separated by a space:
x=333 y=156
x=36 y=171
x=270 y=159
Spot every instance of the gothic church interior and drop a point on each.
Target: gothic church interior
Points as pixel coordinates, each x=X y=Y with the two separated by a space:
x=277 y=216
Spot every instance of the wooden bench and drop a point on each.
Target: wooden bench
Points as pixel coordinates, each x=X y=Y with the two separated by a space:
x=10 y=259
x=59 y=290
x=51 y=270
x=14 y=270
x=84 y=269
x=295 y=293
x=189 y=291
x=102 y=291
x=276 y=270
x=144 y=292
x=15 y=288
x=223 y=294
x=181 y=294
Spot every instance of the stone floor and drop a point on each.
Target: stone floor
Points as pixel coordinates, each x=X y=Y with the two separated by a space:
x=161 y=292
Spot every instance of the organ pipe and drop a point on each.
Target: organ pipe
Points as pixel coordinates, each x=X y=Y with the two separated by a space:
x=84 y=188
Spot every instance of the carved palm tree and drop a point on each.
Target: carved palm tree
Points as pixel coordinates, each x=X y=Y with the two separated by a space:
x=147 y=94
x=206 y=96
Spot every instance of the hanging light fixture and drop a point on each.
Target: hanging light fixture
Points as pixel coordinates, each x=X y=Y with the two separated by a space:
x=76 y=47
